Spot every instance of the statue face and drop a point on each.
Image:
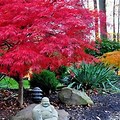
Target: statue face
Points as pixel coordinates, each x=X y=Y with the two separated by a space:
x=45 y=102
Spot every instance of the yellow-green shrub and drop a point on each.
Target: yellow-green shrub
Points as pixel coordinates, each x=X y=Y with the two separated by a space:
x=111 y=58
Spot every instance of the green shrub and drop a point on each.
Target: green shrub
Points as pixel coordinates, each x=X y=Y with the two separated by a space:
x=46 y=80
x=104 y=47
x=92 y=76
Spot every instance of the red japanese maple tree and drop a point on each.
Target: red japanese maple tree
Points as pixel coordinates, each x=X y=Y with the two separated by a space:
x=38 y=34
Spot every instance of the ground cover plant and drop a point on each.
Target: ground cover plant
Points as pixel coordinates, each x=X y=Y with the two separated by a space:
x=37 y=35
x=9 y=83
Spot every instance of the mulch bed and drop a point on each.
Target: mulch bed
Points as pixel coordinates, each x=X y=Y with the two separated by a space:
x=106 y=107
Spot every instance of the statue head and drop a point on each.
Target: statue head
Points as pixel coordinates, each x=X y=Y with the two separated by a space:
x=45 y=102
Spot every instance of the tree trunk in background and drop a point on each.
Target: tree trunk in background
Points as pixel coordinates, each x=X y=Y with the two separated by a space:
x=82 y=3
x=103 y=27
x=114 y=33
x=96 y=21
x=87 y=3
x=20 y=92
x=118 y=34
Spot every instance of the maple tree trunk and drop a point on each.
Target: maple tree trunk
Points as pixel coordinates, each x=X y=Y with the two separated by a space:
x=103 y=27
x=114 y=35
x=20 y=93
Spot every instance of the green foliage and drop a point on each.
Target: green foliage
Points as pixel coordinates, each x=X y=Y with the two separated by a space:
x=66 y=79
x=46 y=80
x=61 y=70
x=104 y=47
x=2 y=76
x=62 y=74
x=114 y=85
x=92 y=76
x=9 y=83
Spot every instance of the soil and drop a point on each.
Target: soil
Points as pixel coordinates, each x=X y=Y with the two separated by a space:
x=106 y=106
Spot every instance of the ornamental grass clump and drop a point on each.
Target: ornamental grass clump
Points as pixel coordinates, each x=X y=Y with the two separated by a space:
x=93 y=76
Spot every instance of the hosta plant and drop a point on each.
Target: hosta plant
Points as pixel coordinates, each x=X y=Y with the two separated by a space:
x=92 y=76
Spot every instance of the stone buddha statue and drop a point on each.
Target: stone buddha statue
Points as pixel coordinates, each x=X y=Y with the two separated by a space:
x=44 y=111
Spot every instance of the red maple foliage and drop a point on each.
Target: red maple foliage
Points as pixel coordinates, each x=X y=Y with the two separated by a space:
x=39 y=34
